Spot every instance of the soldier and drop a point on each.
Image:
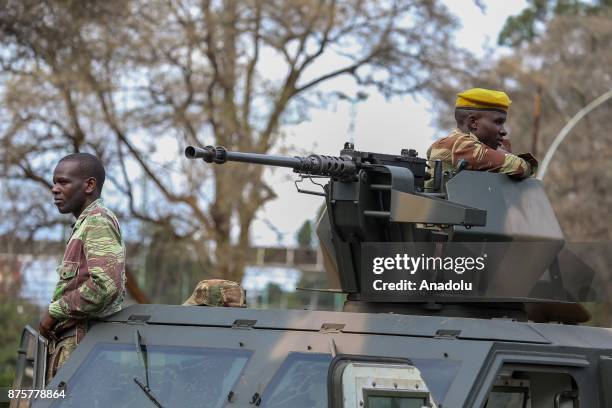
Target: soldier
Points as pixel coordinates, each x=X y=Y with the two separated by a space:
x=92 y=274
x=480 y=138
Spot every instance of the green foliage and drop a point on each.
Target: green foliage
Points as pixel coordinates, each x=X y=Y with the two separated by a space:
x=304 y=235
x=522 y=27
x=529 y=23
x=15 y=315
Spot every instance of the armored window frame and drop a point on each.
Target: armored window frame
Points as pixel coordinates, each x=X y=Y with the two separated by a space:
x=532 y=361
x=335 y=379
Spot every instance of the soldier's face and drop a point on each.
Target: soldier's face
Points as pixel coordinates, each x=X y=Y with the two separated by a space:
x=70 y=189
x=488 y=126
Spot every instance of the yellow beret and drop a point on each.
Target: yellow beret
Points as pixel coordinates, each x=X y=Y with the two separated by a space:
x=479 y=98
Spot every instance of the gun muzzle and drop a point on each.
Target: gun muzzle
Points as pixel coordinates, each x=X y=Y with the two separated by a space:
x=192 y=152
x=209 y=154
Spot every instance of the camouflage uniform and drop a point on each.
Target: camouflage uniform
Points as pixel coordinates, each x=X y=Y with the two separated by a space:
x=91 y=280
x=217 y=292
x=59 y=351
x=459 y=145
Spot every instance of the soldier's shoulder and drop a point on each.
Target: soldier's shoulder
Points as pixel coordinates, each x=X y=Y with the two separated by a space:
x=448 y=140
x=103 y=214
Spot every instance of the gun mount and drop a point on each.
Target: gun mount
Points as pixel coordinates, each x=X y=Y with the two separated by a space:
x=374 y=198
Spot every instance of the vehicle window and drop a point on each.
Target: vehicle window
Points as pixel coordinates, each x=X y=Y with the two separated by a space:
x=518 y=388
x=508 y=397
x=388 y=401
x=300 y=382
x=178 y=377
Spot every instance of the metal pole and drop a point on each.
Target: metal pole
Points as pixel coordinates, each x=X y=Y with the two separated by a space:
x=537 y=113
x=567 y=128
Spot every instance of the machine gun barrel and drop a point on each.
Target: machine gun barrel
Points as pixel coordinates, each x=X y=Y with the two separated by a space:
x=315 y=164
x=220 y=155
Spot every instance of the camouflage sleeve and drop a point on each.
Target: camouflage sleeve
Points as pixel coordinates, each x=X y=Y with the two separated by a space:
x=104 y=258
x=481 y=157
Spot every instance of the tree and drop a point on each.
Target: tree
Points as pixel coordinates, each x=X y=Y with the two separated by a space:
x=121 y=78
x=564 y=67
x=528 y=25
x=304 y=235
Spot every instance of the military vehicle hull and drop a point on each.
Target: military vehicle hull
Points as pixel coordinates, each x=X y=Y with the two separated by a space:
x=229 y=357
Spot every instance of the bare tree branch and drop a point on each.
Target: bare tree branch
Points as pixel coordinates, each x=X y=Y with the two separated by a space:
x=193 y=70
x=250 y=71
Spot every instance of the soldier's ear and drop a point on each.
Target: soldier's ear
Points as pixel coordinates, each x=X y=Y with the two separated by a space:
x=472 y=122
x=90 y=185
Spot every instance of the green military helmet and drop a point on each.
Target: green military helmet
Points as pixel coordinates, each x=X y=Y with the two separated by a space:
x=217 y=292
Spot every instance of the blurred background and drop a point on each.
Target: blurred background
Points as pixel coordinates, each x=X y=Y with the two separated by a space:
x=135 y=81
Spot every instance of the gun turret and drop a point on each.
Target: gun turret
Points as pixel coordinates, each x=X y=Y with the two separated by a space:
x=375 y=198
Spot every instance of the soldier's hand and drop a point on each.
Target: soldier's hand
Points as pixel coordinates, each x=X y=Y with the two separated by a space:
x=533 y=162
x=46 y=324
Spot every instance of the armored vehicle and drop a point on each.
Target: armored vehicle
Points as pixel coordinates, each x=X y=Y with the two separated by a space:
x=492 y=321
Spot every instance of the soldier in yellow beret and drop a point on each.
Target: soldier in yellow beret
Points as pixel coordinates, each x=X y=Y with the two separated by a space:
x=480 y=137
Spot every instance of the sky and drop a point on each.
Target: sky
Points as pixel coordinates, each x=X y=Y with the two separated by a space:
x=380 y=126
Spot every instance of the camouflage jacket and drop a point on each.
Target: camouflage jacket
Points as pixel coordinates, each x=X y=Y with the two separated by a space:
x=459 y=145
x=92 y=273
